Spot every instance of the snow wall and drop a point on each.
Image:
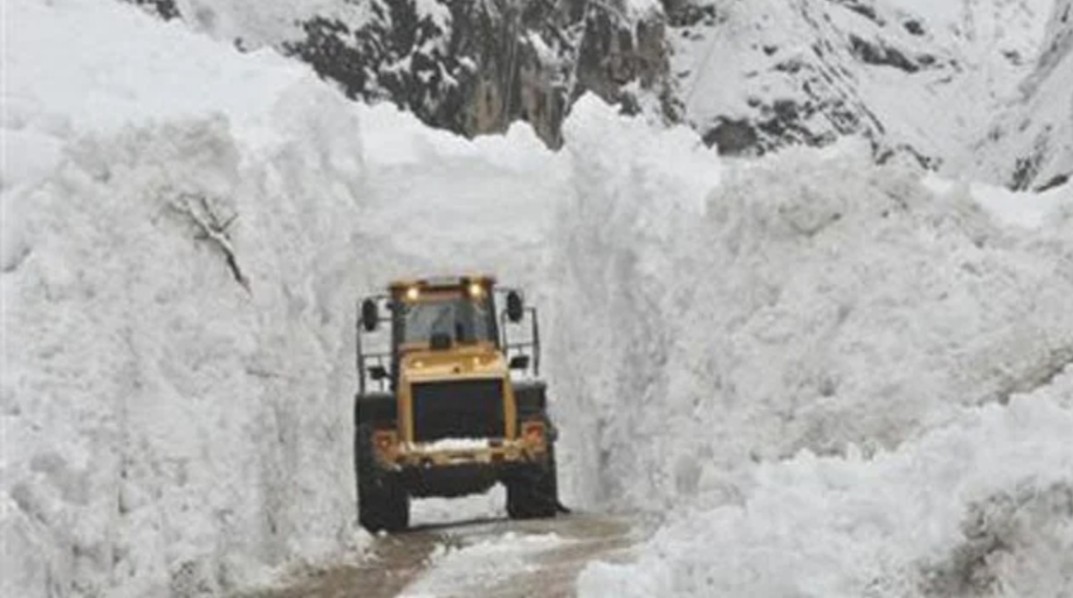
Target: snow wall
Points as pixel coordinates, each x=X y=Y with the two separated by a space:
x=175 y=423
x=186 y=231
x=172 y=421
x=807 y=301
x=836 y=379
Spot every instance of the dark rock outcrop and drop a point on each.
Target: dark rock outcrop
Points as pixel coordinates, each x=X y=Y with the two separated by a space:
x=164 y=9
x=879 y=54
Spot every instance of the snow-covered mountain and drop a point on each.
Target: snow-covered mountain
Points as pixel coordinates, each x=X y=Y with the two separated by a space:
x=914 y=77
x=926 y=78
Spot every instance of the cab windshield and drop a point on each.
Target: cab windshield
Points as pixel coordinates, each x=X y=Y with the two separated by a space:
x=462 y=319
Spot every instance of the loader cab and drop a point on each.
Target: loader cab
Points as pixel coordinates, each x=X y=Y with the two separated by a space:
x=440 y=316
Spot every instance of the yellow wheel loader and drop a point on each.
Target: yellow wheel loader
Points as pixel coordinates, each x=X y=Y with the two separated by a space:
x=450 y=405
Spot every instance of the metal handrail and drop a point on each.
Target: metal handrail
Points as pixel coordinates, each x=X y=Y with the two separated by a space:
x=533 y=343
x=361 y=357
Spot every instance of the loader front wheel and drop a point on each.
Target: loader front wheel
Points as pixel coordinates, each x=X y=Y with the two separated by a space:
x=383 y=504
x=533 y=492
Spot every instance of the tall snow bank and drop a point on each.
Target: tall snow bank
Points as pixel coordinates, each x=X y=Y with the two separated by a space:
x=810 y=358
x=185 y=232
x=177 y=349
x=173 y=409
x=808 y=301
x=981 y=507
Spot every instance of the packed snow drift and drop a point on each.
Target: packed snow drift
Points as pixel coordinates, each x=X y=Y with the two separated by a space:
x=837 y=378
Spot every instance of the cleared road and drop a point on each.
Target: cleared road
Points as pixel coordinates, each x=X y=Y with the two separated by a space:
x=499 y=557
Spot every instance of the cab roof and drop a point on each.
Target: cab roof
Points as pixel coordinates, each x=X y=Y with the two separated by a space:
x=442 y=281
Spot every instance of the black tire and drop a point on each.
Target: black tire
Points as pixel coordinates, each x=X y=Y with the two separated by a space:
x=533 y=492
x=383 y=504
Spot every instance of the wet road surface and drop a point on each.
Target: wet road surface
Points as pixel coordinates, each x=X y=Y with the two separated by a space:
x=490 y=557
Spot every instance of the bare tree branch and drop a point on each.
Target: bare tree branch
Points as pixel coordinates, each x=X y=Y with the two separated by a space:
x=211 y=228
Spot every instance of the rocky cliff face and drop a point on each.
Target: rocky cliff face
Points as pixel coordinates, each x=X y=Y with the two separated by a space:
x=475 y=66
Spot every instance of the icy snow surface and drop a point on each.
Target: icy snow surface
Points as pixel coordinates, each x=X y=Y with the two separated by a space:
x=849 y=371
x=483 y=564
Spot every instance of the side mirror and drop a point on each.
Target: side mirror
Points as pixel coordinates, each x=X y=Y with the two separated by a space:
x=370 y=315
x=377 y=372
x=519 y=362
x=515 y=308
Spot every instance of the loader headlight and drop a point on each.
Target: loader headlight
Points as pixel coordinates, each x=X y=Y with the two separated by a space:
x=476 y=290
x=384 y=441
x=413 y=293
x=533 y=432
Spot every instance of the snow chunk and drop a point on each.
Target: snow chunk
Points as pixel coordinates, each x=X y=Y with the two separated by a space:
x=437 y=12
x=456 y=444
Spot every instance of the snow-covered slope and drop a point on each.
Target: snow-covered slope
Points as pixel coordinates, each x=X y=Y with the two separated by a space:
x=924 y=77
x=1030 y=144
